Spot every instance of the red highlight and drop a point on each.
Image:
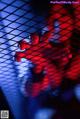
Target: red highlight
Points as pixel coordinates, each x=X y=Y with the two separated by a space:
x=44 y=55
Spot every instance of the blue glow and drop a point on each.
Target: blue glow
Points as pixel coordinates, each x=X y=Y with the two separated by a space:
x=14 y=28
x=56 y=35
x=44 y=113
x=77 y=92
x=45 y=29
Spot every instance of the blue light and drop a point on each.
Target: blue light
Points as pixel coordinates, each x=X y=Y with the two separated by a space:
x=77 y=92
x=56 y=35
x=10 y=72
x=44 y=30
x=45 y=113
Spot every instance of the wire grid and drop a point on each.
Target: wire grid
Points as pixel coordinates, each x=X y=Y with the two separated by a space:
x=17 y=22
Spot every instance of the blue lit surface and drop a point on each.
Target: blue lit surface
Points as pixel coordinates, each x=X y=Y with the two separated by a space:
x=56 y=35
x=77 y=92
x=44 y=114
x=15 y=24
